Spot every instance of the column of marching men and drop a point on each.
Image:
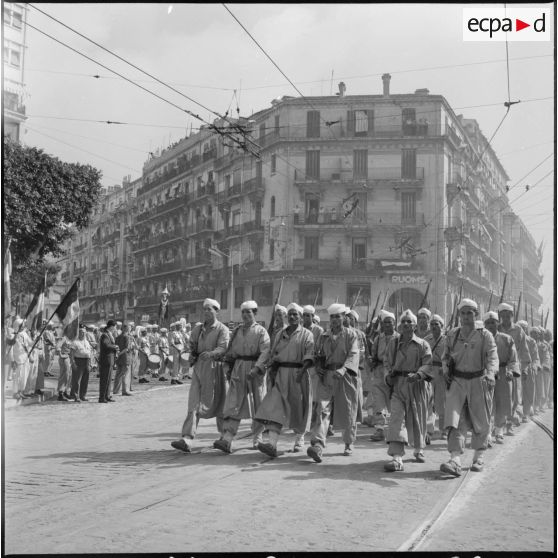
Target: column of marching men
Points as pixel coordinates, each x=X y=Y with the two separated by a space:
x=117 y=354
x=409 y=378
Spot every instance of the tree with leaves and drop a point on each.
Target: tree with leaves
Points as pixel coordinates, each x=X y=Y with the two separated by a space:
x=45 y=202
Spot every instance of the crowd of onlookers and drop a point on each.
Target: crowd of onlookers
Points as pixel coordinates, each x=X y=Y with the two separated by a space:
x=118 y=354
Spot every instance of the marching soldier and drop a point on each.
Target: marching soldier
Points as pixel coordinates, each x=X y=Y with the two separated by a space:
x=208 y=344
x=528 y=380
x=469 y=364
x=308 y=321
x=542 y=381
x=436 y=340
x=505 y=312
x=407 y=362
x=246 y=355
x=423 y=323
x=378 y=400
x=289 y=402
x=336 y=359
x=508 y=367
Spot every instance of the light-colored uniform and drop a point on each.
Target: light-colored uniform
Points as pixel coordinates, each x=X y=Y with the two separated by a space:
x=20 y=350
x=143 y=352
x=409 y=400
x=316 y=330
x=208 y=387
x=176 y=347
x=438 y=407
x=336 y=352
x=37 y=356
x=469 y=397
x=519 y=338
x=378 y=403
x=507 y=358
x=362 y=368
x=543 y=385
x=288 y=404
x=249 y=348
x=528 y=379
x=65 y=377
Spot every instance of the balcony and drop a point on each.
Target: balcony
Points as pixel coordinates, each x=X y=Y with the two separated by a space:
x=210 y=154
x=394 y=174
x=201 y=226
x=315 y=265
x=234 y=230
x=268 y=139
x=414 y=128
x=205 y=190
x=234 y=190
x=197 y=262
x=252 y=227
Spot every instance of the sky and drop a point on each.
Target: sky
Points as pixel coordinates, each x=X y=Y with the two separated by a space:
x=204 y=53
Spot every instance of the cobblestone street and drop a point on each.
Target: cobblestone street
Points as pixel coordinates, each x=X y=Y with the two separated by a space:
x=103 y=478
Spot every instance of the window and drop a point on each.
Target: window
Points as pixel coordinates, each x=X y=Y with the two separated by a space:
x=359 y=252
x=312 y=208
x=311 y=251
x=408 y=208
x=12 y=54
x=361 y=122
x=277 y=125
x=258 y=213
x=310 y=293
x=409 y=117
x=238 y=296
x=236 y=177
x=313 y=165
x=272 y=209
x=262 y=130
x=353 y=290
x=263 y=294
x=11 y=17
x=273 y=164
x=313 y=124
x=409 y=163
x=227 y=180
x=360 y=163
x=271 y=250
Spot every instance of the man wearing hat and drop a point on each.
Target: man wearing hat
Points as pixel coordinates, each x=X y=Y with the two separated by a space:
x=280 y=321
x=288 y=404
x=363 y=365
x=336 y=360
x=206 y=398
x=508 y=367
x=108 y=351
x=542 y=379
x=528 y=380
x=505 y=312
x=408 y=367
x=246 y=354
x=123 y=376
x=470 y=364
x=423 y=323
x=377 y=403
x=143 y=352
x=436 y=340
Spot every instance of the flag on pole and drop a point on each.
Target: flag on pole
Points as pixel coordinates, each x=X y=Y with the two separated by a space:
x=7 y=298
x=68 y=311
x=37 y=307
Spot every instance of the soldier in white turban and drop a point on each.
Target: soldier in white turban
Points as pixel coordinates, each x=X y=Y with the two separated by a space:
x=206 y=398
x=528 y=381
x=505 y=313
x=336 y=358
x=20 y=345
x=436 y=340
x=363 y=365
x=508 y=367
x=377 y=403
x=423 y=323
x=288 y=404
x=408 y=367
x=280 y=314
x=246 y=355
x=469 y=364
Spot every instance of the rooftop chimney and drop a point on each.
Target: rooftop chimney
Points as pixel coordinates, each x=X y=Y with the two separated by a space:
x=342 y=89
x=386 y=79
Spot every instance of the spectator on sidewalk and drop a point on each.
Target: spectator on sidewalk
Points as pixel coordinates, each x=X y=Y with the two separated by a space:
x=65 y=375
x=81 y=355
x=143 y=353
x=107 y=354
x=19 y=343
x=123 y=377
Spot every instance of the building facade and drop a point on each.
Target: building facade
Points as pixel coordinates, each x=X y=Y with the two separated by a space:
x=350 y=195
x=15 y=16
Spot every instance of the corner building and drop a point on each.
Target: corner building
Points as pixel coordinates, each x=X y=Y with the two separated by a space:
x=350 y=193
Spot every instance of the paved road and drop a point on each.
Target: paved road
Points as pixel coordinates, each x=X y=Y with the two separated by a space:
x=90 y=478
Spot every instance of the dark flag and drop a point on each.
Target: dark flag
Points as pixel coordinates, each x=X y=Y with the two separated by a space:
x=68 y=311
x=37 y=307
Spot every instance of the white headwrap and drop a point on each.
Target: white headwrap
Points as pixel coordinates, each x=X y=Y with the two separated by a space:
x=467 y=302
x=295 y=306
x=437 y=318
x=316 y=318
x=408 y=314
x=211 y=302
x=424 y=311
x=491 y=316
x=504 y=306
x=354 y=314
x=282 y=308
x=308 y=309
x=385 y=314
x=336 y=308
x=249 y=305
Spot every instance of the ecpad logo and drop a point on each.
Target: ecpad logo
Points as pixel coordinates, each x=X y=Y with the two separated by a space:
x=512 y=24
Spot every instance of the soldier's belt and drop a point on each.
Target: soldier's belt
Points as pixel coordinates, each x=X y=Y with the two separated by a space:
x=403 y=373
x=437 y=364
x=503 y=365
x=252 y=358
x=468 y=375
x=288 y=365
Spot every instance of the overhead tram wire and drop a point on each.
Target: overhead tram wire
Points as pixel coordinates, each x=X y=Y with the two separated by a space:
x=161 y=82
x=190 y=113
x=531 y=187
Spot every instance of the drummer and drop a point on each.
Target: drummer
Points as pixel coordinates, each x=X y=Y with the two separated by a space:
x=164 y=353
x=176 y=347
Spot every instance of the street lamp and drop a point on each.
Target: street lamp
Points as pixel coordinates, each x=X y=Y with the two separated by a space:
x=217 y=252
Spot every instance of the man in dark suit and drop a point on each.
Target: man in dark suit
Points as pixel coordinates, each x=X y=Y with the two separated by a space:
x=108 y=350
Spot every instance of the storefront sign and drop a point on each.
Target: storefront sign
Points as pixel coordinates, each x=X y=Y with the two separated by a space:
x=408 y=279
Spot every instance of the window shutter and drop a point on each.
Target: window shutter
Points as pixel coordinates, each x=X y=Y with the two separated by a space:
x=350 y=123
x=370 y=122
